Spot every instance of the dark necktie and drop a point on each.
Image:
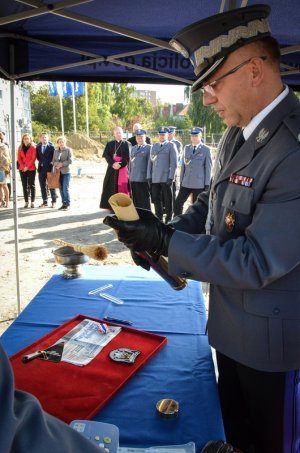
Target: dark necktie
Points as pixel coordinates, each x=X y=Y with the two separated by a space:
x=239 y=141
x=139 y=147
x=194 y=149
x=161 y=145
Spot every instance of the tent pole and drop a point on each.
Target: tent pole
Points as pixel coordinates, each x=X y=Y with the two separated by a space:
x=14 y=187
x=87 y=109
x=61 y=112
x=74 y=107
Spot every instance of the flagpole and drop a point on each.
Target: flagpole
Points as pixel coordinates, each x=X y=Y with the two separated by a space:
x=74 y=108
x=87 y=110
x=61 y=113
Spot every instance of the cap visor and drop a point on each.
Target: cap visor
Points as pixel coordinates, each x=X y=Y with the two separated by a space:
x=200 y=81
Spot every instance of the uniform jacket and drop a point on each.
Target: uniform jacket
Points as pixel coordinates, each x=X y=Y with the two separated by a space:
x=22 y=414
x=28 y=159
x=254 y=268
x=132 y=140
x=45 y=159
x=138 y=163
x=162 y=163
x=195 y=171
x=178 y=145
x=65 y=157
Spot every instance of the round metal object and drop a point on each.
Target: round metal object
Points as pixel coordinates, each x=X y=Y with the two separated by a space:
x=71 y=260
x=167 y=408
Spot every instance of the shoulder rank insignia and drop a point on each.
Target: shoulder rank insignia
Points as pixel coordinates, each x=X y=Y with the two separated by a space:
x=229 y=221
x=262 y=135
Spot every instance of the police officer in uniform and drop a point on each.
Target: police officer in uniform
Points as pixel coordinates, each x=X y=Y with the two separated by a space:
x=133 y=140
x=244 y=239
x=171 y=138
x=195 y=172
x=178 y=144
x=138 y=164
x=161 y=172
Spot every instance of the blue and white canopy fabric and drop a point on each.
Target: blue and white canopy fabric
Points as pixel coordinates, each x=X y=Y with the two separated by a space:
x=120 y=41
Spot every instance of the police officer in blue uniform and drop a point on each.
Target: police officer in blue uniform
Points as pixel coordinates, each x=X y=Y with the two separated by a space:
x=161 y=172
x=244 y=238
x=195 y=171
x=138 y=164
x=172 y=138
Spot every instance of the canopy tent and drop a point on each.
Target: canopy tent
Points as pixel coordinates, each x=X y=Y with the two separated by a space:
x=119 y=40
x=116 y=41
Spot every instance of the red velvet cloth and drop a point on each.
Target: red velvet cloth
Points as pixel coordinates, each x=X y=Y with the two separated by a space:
x=71 y=392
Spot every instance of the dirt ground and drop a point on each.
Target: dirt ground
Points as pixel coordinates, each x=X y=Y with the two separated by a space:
x=37 y=227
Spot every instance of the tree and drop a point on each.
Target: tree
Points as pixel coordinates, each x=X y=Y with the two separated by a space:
x=45 y=109
x=100 y=102
x=203 y=116
x=123 y=107
x=128 y=109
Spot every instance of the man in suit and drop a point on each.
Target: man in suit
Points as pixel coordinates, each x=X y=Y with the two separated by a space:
x=195 y=171
x=138 y=164
x=44 y=153
x=244 y=239
x=161 y=172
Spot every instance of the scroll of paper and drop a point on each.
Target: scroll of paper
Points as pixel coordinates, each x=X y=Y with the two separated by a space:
x=123 y=207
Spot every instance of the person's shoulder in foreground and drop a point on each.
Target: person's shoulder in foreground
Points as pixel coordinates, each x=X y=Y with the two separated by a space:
x=25 y=427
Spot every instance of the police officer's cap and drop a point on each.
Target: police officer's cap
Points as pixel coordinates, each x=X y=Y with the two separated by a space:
x=208 y=42
x=163 y=130
x=196 y=131
x=140 y=132
x=172 y=129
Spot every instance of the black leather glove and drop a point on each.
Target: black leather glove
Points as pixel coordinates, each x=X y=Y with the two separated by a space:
x=206 y=188
x=139 y=261
x=148 y=233
x=169 y=182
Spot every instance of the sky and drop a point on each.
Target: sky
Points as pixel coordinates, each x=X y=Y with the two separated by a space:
x=166 y=93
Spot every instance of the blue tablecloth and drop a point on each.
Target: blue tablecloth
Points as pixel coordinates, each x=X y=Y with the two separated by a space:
x=182 y=370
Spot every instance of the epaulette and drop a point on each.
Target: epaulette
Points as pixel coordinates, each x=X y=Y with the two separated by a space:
x=292 y=122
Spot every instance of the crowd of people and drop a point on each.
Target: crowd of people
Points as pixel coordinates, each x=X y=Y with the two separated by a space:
x=42 y=158
x=149 y=172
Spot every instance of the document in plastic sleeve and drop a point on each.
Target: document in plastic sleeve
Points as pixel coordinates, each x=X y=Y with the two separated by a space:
x=86 y=340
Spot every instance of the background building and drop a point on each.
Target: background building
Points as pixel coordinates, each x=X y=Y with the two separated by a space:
x=147 y=94
x=22 y=110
